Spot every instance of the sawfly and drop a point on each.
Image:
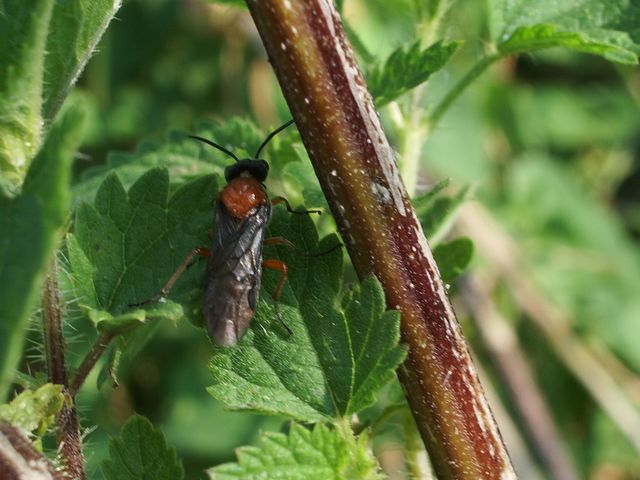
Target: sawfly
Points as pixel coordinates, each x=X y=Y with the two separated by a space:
x=242 y=211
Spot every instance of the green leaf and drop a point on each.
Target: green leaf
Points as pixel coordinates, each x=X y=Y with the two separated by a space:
x=141 y=453
x=608 y=29
x=432 y=193
x=239 y=135
x=374 y=335
x=34 y=411
x=453 y=257
x=333 y=363
x=303 y=453
x=24 y=25
x=406 y=68
x=68 y=32
x=23 y=253
x=75 y=29
x=30 y=225
x=128 y=244
x=436 y=211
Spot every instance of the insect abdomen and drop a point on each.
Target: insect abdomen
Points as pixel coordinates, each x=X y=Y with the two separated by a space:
x=233 y=275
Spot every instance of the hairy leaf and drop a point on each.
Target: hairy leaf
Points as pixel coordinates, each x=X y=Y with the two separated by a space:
x=318 y=453
x=45 y=46
x=24 y=25
x=609 y=29
x=29 y=229
x=76 y=26
x=128 y=244
x=141 y=453
x=406 y=68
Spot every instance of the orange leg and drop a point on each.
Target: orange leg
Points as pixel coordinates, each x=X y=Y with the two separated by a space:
x=186 y=263
x=278 y=241
x=278 y=200
x=282 y=268
x=287 y=243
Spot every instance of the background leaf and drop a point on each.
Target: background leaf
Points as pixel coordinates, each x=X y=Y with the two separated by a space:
x=141 y=453
x=235 y=3
x=565 y=222
x=609 y=29
x=453 y=258
x=406 y=68
x=436 y=211
x=186 y=158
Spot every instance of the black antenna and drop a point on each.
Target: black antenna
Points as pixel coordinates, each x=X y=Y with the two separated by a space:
x=271 y=135
x=215 y=145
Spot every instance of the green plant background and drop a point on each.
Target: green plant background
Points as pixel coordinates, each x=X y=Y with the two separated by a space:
x=549 y=143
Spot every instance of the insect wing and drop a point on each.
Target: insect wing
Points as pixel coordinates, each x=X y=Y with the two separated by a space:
x=232 y=281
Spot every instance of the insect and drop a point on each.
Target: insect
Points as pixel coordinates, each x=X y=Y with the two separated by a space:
x=242 y=211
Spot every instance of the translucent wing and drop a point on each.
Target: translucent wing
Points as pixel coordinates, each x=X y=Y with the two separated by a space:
x=232 y=281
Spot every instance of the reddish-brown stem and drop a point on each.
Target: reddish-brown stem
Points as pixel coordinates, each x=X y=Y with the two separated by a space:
x=97 y=349
x=69 y=439
x=20 y=460
x=355 y=164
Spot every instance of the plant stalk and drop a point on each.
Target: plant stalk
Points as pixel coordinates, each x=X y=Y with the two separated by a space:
x=97 y=349
x=68 y=436
x=355 y=165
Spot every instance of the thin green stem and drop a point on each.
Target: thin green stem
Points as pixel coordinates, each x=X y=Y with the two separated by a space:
x=458 y=88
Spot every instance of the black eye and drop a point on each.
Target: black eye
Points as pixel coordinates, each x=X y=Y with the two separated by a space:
x=259 y=170
x=233 y=171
